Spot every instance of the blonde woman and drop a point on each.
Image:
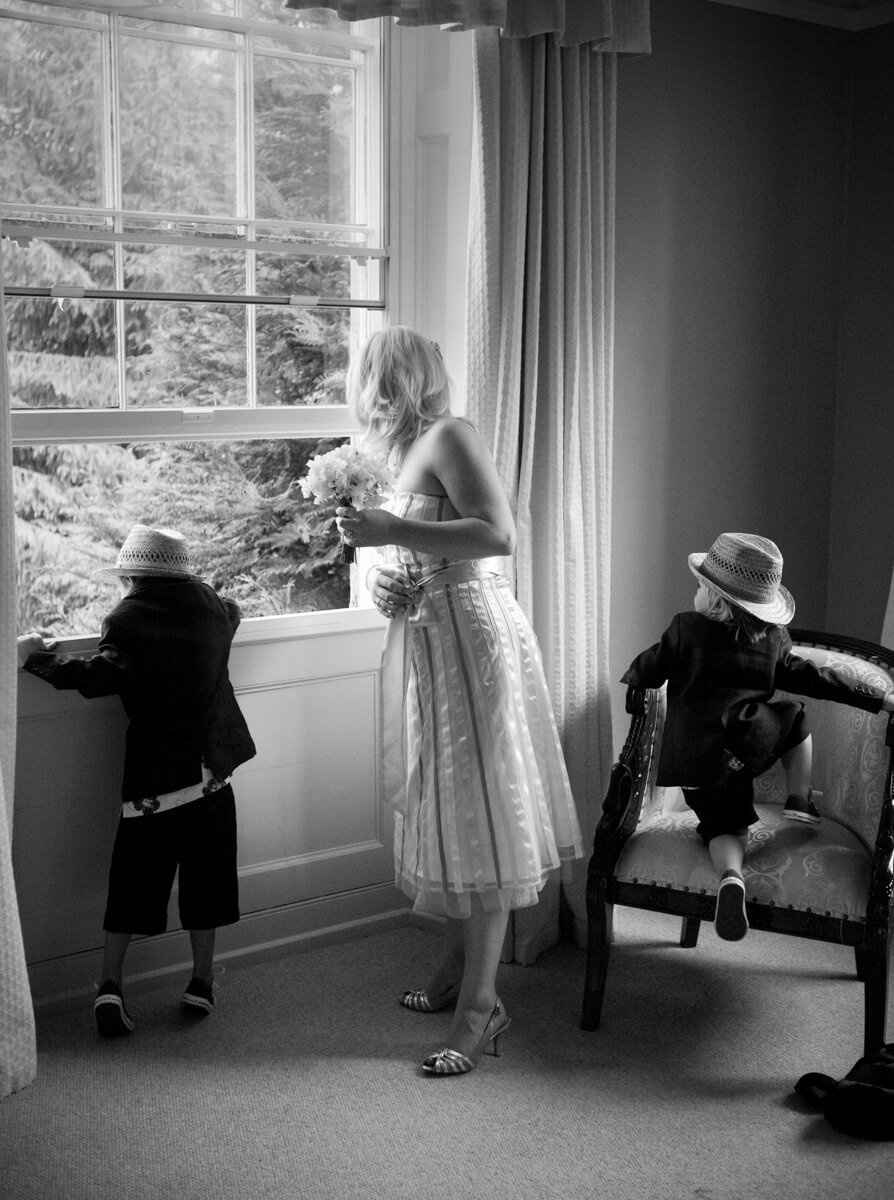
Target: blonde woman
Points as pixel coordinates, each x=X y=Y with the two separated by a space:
x=484 y=811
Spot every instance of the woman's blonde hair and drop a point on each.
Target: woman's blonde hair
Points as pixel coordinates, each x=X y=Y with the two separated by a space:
x=719 y=608
x=397 y=387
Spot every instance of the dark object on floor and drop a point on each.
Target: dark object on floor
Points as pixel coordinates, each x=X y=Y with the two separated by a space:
x=861 y=1104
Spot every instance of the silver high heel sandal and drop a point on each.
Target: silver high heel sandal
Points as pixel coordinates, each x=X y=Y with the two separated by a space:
x=451 y=1062
x=420 y=1001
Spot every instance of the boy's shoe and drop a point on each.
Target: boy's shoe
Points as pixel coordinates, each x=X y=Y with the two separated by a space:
x=802 y=808
x=198 y=997
x=730 y=920
x=112 y=1018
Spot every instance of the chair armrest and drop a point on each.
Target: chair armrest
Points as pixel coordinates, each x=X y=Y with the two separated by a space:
x=881 y=884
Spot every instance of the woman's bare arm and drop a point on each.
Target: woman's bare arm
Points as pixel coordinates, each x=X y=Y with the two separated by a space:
x=452 y=453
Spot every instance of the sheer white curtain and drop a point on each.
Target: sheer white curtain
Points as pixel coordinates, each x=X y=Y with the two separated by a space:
x=18 y=1064
x=540 y=333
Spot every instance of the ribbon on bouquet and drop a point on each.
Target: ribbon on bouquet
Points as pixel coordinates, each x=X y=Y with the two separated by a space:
x=397 y=655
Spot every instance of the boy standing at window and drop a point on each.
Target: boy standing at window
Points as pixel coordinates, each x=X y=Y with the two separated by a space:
x=164 y=649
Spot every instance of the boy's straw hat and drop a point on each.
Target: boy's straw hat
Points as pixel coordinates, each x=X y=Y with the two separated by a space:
x=747 y=570
x=152 y=552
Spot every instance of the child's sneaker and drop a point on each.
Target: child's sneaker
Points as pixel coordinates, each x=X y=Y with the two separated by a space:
x=802 y=808
x=198 y=997
x=730 y=920
x=112 y=1018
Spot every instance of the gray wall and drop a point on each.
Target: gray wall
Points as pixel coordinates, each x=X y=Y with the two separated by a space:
x=734 y=407
x=862 y=534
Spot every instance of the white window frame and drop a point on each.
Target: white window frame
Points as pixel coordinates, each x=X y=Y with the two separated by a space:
x=252 y=422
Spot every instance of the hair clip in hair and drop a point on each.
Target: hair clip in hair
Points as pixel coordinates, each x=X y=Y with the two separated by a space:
x=437 y=350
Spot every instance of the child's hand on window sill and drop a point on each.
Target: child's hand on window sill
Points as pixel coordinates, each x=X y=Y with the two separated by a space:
x=28 y=644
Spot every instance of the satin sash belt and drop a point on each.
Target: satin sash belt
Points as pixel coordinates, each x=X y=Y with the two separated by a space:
x=397 y=655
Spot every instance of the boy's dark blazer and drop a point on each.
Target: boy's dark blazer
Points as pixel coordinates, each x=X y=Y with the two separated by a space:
x=711 y=674
x=164 y=649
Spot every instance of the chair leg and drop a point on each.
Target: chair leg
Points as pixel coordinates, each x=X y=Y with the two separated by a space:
x=875 y=966
x=689 y=932
x=599 y=935
x=860 y=961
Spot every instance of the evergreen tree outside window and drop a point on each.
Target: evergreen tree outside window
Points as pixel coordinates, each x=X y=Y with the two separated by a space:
x=192 y=222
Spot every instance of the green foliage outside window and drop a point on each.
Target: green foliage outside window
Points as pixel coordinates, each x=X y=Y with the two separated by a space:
x=164 y=169
x=251 y=534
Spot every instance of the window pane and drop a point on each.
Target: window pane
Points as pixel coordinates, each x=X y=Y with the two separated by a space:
x=185 y=355
x=61 y=353
x=51 y=119
x=35 y=262
x=252 y=534
x=325 y=277
x=304 y=120
x=178 y=127
x=159 y=268
x=303 y=354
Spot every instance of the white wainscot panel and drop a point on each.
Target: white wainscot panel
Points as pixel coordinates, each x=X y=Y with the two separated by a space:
x=309 y=808
x=69 y=760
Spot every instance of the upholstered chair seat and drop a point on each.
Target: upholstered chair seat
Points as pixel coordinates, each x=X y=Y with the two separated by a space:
x=789 y=866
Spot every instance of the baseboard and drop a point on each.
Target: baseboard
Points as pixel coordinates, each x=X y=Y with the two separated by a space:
x=61 y=984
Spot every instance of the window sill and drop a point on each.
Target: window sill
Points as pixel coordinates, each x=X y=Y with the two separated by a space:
x=298 y=626
x=289 y=627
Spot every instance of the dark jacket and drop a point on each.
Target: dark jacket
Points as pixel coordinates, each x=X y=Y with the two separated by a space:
x=712 y=677
x=164 y=649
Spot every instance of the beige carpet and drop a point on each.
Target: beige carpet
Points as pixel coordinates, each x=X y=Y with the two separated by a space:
x=304 y=1083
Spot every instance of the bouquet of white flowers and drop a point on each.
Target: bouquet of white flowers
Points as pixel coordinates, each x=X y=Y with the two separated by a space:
x=346 y=476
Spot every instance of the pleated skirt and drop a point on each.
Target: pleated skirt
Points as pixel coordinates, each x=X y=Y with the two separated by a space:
x=487 y=810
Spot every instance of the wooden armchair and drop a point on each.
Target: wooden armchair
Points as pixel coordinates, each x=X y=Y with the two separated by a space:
x=831 y=882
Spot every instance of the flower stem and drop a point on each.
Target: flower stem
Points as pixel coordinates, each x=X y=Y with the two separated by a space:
x=347 y=552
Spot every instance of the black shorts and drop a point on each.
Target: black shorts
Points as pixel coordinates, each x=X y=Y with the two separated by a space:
x=722 y=810
x=730 y=809
x=199 y=838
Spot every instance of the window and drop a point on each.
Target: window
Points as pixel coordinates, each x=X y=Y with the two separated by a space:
x=192 y=222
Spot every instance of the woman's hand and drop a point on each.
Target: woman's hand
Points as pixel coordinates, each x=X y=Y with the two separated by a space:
x=366 y=526
x=389 y=589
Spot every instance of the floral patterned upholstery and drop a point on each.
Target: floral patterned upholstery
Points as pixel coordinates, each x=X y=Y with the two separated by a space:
x=824 y=869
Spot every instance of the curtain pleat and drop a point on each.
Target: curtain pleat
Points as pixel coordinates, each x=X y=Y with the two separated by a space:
x=539 y=363
x=18 y=1062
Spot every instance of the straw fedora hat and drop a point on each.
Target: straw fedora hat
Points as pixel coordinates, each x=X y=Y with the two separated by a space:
x=747 y=570
x=149 y=551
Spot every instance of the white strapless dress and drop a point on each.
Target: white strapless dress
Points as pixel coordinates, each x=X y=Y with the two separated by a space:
x=482 y=798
